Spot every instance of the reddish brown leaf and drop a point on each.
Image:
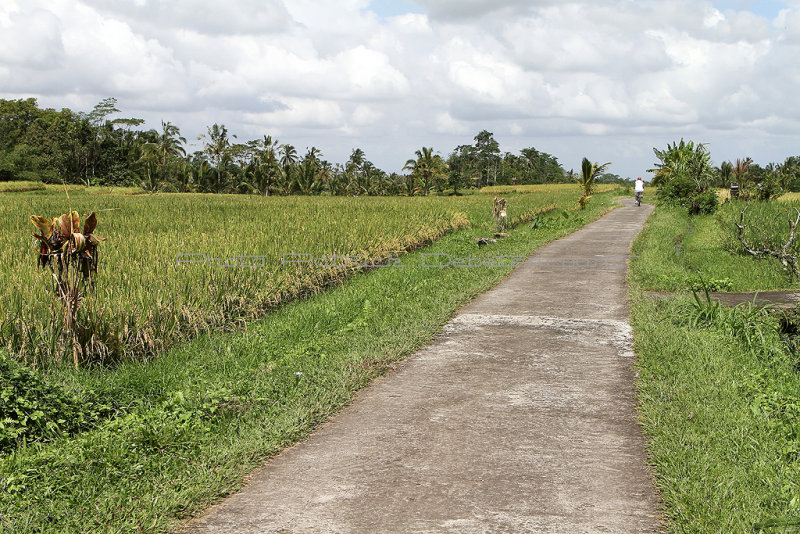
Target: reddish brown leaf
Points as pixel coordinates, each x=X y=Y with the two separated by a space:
x=65 y=225
x=42 y=239
x=90 y=224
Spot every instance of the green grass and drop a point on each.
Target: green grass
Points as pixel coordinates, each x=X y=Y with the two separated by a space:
x=675 y=250
x=722 y=416
x=146 y=301
x=192 y=422
x=719 y=388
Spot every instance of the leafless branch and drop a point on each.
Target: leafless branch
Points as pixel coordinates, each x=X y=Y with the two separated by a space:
x=786 y=258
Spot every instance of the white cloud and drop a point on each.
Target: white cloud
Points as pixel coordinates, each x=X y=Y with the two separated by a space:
x=446 y=124
x=365 y=115
x=30 y=39
x=561 y=76
x=302 y=113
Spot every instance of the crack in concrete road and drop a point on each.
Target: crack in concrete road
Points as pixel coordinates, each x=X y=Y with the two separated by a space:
x=519 y=417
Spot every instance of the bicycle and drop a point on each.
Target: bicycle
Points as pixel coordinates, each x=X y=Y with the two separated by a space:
x=637 y=198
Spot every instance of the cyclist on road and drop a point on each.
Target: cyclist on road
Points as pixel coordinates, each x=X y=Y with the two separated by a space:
x=638 y=190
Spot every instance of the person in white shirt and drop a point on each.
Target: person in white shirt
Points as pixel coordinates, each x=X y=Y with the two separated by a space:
x=638 y=190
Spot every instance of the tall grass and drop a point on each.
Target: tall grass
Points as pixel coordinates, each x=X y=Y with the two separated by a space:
x=675 y=250
x=720 y=404
x=766 y=222
x=149 y=296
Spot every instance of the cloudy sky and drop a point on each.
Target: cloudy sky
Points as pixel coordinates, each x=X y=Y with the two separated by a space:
x=608 y=79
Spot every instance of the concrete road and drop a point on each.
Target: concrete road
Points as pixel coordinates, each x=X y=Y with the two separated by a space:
x=519 y=417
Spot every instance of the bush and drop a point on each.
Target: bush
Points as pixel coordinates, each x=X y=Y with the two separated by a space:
x=677 y=192
x=33 y=410
x=768 y=189
x=704 y=203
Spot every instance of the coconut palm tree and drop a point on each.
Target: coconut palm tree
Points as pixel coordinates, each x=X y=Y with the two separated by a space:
x=589 y=172
x=429 y=168
x=741 y=168
x=218 y=146
x=725 y=174
x=166 y=148
x=306 y=176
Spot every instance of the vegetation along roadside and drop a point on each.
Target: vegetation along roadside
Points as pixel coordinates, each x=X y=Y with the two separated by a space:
x=719 y=387
x=186 y=426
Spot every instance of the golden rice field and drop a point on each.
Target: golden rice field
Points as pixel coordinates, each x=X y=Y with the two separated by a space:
x=725 y=194
x=176 y=265
x=541 y=188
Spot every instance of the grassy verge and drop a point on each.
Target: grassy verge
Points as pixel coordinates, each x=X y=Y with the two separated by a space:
x=194 y=421
x=720 y=403
x=675 y=250
x=719 y=388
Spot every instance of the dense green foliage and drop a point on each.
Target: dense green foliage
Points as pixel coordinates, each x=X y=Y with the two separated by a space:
x=31 y=409
x=677 y=191
x=199 y=417
x=685 y=176
x=97 y=148
x=704 y=203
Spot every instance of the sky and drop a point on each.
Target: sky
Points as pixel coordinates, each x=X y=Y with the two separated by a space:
x=605 y=79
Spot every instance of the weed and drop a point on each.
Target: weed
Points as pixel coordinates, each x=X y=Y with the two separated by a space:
x=706 y=311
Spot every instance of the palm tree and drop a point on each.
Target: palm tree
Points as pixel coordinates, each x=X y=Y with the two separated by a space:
x=306 y=176
x=357 y=170
x=184 y=175
x=429 y=168
x=218 y=148
x=149 y=159
x=589 y=172
x=725 y=173
x=741 y=168
x=202 y=172
x=166 y=148
x=288 y=155
x=288 y=159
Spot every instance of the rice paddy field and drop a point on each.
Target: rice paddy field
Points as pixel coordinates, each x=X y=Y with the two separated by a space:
x=175 y=266
x=542 y=188
x=17 y=187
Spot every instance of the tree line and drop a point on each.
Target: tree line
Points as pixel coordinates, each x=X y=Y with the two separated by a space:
x=99 y=148
x=687 y=165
